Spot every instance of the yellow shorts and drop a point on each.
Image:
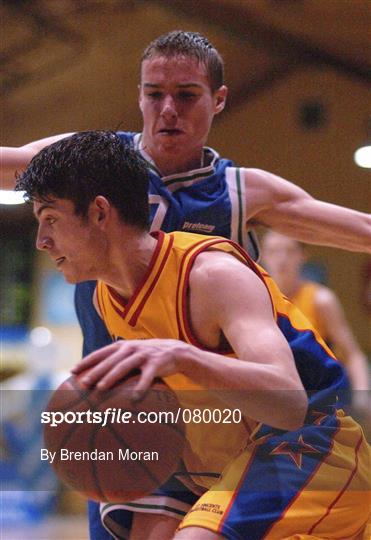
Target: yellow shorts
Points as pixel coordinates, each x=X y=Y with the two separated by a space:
x=309 y=484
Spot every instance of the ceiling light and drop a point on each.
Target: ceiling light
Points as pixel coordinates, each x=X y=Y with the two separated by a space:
x=362 y=156
x=11 y=197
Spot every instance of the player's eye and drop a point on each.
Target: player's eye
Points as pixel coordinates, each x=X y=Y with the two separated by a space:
x=154 y=95
x=50 y=220
x=187 y=95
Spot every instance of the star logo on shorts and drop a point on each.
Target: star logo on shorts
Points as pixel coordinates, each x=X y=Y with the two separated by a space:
x=294 y=450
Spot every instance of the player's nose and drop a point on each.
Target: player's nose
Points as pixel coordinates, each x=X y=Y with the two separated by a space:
x=43 y=241
x=168 y=110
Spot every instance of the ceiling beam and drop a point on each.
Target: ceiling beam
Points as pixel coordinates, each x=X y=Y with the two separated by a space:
x=239 y=20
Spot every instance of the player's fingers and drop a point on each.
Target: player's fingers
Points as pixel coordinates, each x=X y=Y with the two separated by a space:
x=95 y=357
x=97 y=372
x=147 y=376
x=119 y=368
x=81 y=366
x=92 y=359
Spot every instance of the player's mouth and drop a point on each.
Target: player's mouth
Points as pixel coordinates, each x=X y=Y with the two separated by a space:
x=170 y=132
x=60 y=261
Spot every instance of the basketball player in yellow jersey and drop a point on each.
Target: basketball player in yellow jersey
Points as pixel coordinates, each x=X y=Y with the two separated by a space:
x=284 y=258
x=198 y=312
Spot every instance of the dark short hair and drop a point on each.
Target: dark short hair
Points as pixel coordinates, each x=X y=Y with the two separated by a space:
x=85 y=165
x=192 y=44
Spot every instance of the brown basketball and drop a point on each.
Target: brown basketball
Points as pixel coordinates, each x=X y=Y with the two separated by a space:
x=126 y=458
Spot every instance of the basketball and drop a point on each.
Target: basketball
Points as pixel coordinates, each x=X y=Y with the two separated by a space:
x=107 y=446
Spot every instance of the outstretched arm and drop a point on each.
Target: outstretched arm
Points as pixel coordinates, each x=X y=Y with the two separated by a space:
x=15 y=159
x=288 y=209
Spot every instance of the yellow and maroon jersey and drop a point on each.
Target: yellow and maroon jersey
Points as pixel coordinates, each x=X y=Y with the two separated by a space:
x=159 y=309
x=304 y=299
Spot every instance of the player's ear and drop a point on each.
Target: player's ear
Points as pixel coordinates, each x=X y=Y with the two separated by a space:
x=100 y=210
x=220 y=97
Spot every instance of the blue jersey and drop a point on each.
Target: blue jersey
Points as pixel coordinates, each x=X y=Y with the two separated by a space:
x=209 y=200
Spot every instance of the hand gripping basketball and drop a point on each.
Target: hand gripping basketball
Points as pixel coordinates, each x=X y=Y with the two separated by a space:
x=107 y=446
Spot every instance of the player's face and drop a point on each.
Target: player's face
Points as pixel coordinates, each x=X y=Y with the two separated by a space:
x=178 y=107
x=282 y=256
x=72 y=242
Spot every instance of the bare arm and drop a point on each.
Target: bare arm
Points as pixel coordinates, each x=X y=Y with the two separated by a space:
x=288 y=209
x=264 y=372
x=15 y=159
x=242 y=312
x=340 y=335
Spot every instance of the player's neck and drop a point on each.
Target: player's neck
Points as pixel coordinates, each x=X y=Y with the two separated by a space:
x=169 y=163
x=169 y=167
x=129 y=260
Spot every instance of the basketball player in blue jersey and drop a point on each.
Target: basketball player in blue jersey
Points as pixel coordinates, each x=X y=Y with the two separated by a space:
x=191 y=187
x=296 y=467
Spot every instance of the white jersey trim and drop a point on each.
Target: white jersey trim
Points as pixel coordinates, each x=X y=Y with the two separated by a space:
x=151 y=504
x=237 y=197
x=183 y=179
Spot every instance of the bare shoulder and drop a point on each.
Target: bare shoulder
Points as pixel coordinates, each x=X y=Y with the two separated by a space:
x=269 y=184
x=325 y=297
x=327 y=304
x=264 y=190
x=256 y=178
x=258 y=184
x=214 y=265
x=225 y=273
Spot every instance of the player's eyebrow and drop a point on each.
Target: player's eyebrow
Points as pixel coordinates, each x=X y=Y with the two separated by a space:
x=41 y=208
x=185 y=85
